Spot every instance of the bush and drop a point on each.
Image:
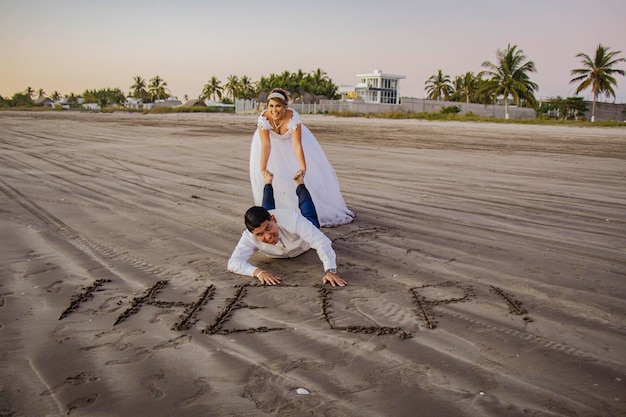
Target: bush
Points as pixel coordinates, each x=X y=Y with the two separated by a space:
x=346 y=113
x=159 y=110
x=450 y=110
x=204 y=109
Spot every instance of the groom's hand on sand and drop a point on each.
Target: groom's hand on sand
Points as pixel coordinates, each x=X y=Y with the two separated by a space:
x=334 y=279
x=268 y=278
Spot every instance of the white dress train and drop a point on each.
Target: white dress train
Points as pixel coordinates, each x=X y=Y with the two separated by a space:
x=320 y=178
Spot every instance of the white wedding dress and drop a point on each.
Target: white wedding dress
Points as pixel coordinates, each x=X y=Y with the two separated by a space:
x=320 y=178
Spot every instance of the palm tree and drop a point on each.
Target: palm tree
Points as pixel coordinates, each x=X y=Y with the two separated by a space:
x=212 y=89
x=439 y=86
x=41 y=93
x=30 y=92
x=138 y=88
x=299 y=84
x=466 y=87
x=509 y=77
x=319 y=76
x=320 y=84
x=598 y=74
x=103 y=101
x=232 y=86
x=285 y=78
x=264 y=85
x=329 y=89
x=55 y=95
x=457 y=89
x=158 y=88
x=246 y=89
x=72 y=100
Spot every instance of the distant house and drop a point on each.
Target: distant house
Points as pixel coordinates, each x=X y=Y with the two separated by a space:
x=168 y=102
x=134 y=103
x=65 y=102
x=44 y=101
x=91 y=106
x=376 y=87
x=308 y=98
x=347 y=92
x=196 y=102
x=213 y=103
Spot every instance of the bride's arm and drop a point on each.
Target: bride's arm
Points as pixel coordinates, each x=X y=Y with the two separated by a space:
x=266 y=148
x=295 y=126
x=298 y=150
x=266 y=145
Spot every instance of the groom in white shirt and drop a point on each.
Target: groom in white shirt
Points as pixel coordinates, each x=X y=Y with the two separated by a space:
x=283 y=233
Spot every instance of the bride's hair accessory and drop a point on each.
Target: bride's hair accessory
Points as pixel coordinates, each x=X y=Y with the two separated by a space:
x=277 y=95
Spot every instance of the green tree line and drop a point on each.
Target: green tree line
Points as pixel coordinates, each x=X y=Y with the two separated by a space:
x=508 y=78
x=301 y=85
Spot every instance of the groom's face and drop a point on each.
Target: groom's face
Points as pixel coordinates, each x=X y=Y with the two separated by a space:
x=267 y=232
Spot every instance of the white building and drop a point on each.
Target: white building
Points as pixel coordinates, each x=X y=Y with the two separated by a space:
x=91 y=106
x=134 y=103
x=168 y=102
x=378 y=87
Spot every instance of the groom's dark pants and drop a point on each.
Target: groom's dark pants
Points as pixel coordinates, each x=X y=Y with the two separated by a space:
x=305 y=202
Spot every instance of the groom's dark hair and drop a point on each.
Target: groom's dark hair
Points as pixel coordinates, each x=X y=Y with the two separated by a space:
x=255 y=216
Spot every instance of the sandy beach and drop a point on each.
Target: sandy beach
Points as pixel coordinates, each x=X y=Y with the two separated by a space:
x=486 y=270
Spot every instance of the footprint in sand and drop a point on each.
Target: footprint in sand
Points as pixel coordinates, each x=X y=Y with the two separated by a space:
x=156 y=318
x=80 y=379
x=3 y=296
x=141 y=354
x=54 y=287
x=151 y=383
x=82 y=402
x=117 y=344
x=113 y=304
x=174 y=343
x=203 y=388
x=60 y=335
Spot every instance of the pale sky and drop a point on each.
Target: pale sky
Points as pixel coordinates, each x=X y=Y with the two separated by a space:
x=74 y=45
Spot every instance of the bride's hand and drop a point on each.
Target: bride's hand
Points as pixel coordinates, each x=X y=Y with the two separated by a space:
x=299 y=175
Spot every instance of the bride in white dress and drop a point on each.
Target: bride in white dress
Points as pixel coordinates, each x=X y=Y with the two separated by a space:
x=284 y=146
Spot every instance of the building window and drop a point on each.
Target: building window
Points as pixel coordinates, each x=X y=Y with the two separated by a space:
x=389 y=83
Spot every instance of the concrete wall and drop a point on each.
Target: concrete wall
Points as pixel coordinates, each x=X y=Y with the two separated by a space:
x=412 y=105
x=607 y=111
x=433 y=106
x=360 y=107
x=604 y=111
